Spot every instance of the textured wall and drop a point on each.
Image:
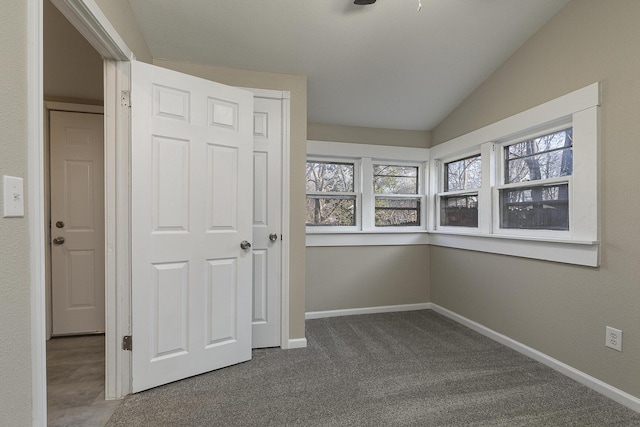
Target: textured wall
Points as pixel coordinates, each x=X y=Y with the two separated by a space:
x=297 y=85
x=15 y=326
x=366 y=276
x=363 y=135
x=558 y=309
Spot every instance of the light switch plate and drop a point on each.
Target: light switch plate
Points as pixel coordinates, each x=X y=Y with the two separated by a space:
x=13 y=193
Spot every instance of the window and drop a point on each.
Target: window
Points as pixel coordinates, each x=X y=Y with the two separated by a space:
x=536 y=193
x=397 y=203
x=459 y=199
x=331 y=197
x=524 y=186
x=359 y=194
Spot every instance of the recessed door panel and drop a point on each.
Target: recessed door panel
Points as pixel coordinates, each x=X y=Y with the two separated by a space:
x=222 y=201
x=78 y=194
x=81 y=274
x=260 y=188
x=170 y=184
x=169 y=308
x=260 y=290
x=221 y=301
x=171 y=103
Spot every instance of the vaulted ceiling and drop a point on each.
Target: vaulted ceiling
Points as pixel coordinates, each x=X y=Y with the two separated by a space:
x=385 y=65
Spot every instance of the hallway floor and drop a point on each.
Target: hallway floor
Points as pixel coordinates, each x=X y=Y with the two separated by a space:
x=75 y=382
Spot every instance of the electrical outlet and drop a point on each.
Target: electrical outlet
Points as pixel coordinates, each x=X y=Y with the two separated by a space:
x=614 y=338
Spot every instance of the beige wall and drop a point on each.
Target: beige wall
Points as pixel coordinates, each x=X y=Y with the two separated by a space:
x=364 y=135
x=120 y=15
x=297 y=85
x=15 y=324
x=72 y=67
x=558 y=309
x=366 y=276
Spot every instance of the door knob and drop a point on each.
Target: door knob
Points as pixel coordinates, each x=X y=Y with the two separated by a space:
x=273 y=237
x=58 y=240
x=245 y=245
x=60 y=224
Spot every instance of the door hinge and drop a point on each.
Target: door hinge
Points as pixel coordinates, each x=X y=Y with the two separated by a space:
x=127 y=343
x=125 y=98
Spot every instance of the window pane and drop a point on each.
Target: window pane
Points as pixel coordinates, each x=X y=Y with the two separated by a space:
x=397 y=212
x=330 y=177
x=459 y=211
x=334 y=211
x=548 y=156
x=465 y=174
x=535 y=208
x=389 y=179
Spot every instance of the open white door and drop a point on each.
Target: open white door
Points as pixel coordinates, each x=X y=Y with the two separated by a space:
x=191 y=208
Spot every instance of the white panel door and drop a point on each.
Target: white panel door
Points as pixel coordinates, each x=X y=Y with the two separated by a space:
x=77 y=222
x=191 y=190
x=267 y=221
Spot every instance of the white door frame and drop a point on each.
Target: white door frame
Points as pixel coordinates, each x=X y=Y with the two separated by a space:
x=88 y=19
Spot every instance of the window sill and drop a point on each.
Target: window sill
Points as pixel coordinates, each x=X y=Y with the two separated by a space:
x=577 y=252
x=367 y=238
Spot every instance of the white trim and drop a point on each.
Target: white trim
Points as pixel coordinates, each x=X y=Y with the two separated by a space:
x=365 y=238
x=74 y=108
x=35 y=189
x=593 y=383
x=296 y=343
x=87 y=17
x=366 y=310
x=285 y=342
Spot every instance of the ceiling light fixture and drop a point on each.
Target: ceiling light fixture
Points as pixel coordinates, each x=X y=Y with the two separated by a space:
x=363 y=2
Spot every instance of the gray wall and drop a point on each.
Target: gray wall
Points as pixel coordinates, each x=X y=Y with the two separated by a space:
x=366 y=276
x=15 y=321
x=363 y=135
x=558 y=309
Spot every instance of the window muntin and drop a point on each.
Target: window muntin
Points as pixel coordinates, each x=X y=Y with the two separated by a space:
x=331 y=197
x=545 y=157
x=396 y=200
x=463 y=174
x=458 y=202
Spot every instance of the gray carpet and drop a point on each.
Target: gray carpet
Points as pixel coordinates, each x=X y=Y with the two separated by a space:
x=398 y=369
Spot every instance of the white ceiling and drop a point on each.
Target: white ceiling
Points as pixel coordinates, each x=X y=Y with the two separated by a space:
x=384 y=65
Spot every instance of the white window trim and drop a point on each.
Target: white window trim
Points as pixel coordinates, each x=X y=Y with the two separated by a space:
x=366 y=155
x=578 y=246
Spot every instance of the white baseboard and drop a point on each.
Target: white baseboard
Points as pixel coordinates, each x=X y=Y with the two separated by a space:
x=593 y=383
x=366 y=310
x=297 y=343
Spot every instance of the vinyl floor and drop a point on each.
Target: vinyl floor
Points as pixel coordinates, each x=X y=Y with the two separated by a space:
x=75 y=382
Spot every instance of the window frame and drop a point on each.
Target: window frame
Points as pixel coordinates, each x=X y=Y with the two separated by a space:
x=337 y=194
x=441 y=180
x=580 y=244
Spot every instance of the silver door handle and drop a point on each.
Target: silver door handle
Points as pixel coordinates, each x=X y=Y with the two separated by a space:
x=58 y=240
x=245 y=245
x=273 y=237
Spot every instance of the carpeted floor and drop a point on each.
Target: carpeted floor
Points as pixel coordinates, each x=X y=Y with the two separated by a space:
x=398 y=369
